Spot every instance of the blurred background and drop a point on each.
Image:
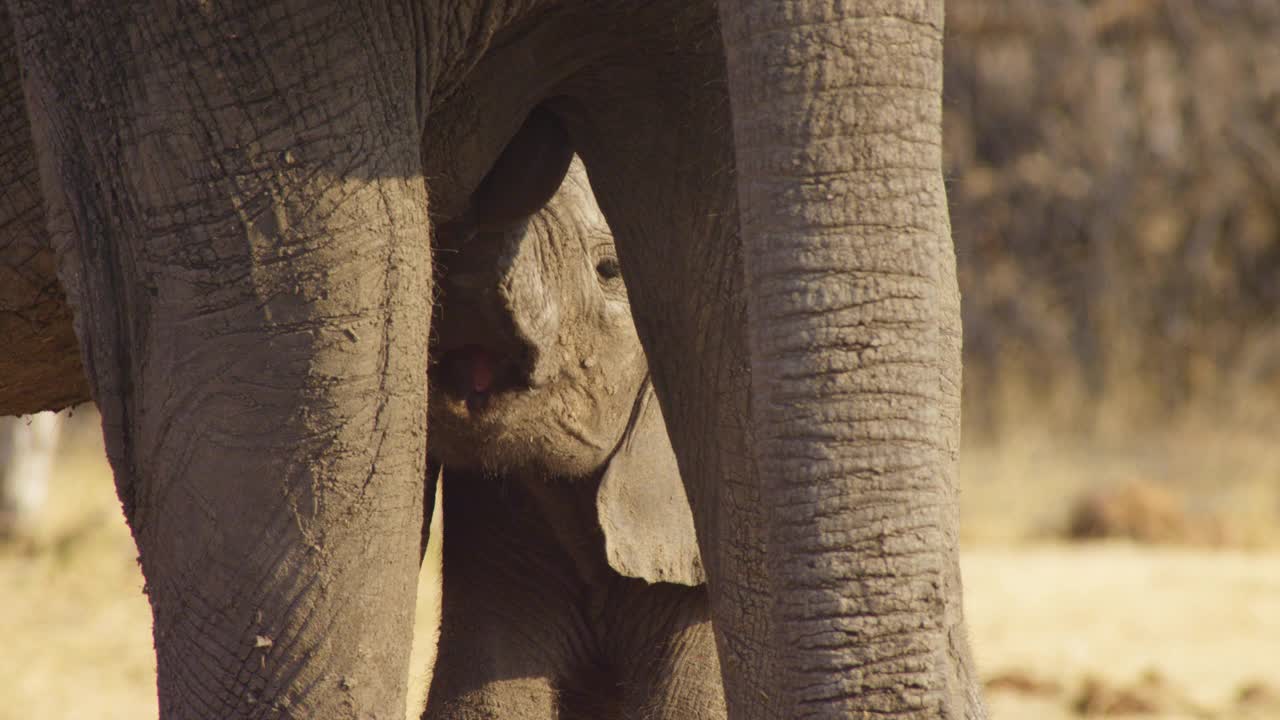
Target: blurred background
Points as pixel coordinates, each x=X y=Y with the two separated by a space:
x=1113 y=169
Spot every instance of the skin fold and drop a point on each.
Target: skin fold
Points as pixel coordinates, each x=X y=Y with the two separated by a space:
x=540 y=395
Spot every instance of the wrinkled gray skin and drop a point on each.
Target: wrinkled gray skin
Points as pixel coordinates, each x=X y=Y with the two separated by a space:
x=544 y=299
x=566 y=524
x=240 y=197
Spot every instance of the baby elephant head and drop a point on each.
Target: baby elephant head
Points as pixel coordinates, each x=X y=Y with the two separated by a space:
x=537 y=372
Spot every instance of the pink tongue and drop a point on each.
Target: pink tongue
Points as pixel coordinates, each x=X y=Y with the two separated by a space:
x=481 y=370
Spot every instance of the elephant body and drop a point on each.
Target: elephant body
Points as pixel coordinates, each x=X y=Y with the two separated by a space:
x=240 y=198
x=40 y=364
x=572 y=581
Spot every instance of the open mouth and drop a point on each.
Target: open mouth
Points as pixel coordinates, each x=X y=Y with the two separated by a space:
x=474 y=373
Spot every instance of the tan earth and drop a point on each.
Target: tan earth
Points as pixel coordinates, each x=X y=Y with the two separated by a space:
x=1205 y=624
x=1060 y=630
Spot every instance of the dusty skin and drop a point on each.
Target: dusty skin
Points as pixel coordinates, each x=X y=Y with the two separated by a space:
x=76 y=624
x=1046 y=616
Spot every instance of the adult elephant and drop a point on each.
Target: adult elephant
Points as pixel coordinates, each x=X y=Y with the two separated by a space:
x=238 y=195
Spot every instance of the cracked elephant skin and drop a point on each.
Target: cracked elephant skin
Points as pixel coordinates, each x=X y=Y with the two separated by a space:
x=240 y=200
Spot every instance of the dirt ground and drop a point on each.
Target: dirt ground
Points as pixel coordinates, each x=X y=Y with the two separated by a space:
x=1060 y=629
x=1055 y=627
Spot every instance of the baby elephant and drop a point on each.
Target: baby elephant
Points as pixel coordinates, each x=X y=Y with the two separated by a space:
x=572 y=582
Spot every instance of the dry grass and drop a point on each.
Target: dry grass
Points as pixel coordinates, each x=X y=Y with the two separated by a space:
x=1222 y=482
x=1095 y=619
x=1180 y=618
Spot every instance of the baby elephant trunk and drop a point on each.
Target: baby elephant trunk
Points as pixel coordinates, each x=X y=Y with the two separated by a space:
x=532 y=300
x=500 y=317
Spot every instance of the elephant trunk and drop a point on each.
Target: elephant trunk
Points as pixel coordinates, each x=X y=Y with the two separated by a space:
x=855 y=351
x=251 y=277
x=500 y=316
x=527 y=295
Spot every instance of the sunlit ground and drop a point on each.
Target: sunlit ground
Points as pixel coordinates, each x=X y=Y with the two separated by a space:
x=1183 y=630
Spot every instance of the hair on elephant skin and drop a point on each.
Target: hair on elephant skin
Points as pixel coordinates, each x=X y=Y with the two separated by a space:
x=572 y=581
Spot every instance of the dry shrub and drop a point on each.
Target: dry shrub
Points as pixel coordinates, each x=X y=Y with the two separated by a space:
x=1099 y=698
x=1142 y=511
x=1259 y=695
x=1022 y=683
x=1150 y=695
x=1114 y=179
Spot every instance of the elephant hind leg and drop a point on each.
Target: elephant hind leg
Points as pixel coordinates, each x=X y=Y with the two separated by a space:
x=487 y=666
x=521 y=698
x=593 y=694
x=508 y=629
x=590 y=696
x=663 y=640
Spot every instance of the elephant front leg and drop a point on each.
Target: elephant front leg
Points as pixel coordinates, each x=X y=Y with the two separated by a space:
x=855 y=352
x=505 y=624
x=666 y=652
x=238 y=197
x=490 y=664
x=467 y=688
x=819 y=449
x=514 y=698
x=656 y=145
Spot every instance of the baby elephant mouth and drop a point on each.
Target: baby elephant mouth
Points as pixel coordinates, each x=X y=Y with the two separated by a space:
x=473 y=374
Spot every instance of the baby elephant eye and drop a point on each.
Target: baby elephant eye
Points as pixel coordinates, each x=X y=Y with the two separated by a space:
x=609 y=269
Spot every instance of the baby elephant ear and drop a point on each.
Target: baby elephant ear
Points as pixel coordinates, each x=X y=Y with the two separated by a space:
x=643 y=510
